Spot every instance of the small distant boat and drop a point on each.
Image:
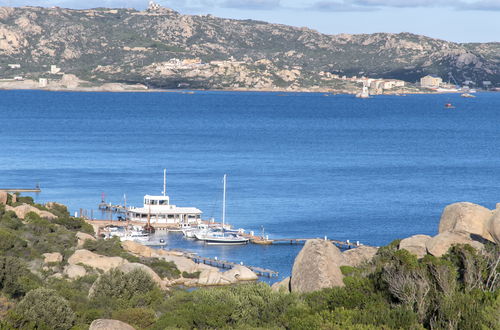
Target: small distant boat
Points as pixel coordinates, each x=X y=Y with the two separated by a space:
x=449 y=106
x=467 y=95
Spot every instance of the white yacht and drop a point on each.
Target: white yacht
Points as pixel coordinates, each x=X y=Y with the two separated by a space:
x=158 y=210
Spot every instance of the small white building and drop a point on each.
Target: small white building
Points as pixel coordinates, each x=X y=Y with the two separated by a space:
x=43 y=82
x=18 y=78
x=14 y=66
x=54 y=69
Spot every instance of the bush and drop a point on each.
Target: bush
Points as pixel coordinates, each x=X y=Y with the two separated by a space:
x=117 y=285
x=10 y=220
x=137 y=317
x=74 y=224
x=163 y=268
x=10 y=241
x=15 y=278
x=43 y=308
x=246 y=305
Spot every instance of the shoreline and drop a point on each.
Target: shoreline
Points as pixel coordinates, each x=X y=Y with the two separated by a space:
x=192 y=91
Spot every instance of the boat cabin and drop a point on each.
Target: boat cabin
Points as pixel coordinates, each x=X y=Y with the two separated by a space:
x=159 y=210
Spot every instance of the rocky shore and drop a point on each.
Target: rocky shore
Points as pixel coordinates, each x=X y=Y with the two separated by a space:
x=318 y=265
x=53 y=261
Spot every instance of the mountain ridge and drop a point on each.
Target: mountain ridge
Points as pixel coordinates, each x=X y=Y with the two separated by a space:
x=127 y=45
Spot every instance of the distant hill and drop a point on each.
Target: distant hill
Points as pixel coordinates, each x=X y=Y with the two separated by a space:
x=126 y=45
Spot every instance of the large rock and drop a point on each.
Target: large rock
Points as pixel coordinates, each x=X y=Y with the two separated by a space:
x=52 y=257
x=283 y=286
x=94 y=260
x=3 y=197
x=240 y=273
x=82 y=237
x=466 y=218
x=183 y=264
x=127 y=268
x=213 y=277
x=439 y=244
x=24 y=209
x=360 y=255
x=138 y=249
x=317 y=266
x=106 y=324
x=74 y=271
x=493 y=227
x=415 y=244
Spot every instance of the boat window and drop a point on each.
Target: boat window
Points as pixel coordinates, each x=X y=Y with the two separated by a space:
x=170 y=216
x=163 y=202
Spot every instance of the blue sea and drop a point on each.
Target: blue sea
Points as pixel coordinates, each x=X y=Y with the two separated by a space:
x=298 y=164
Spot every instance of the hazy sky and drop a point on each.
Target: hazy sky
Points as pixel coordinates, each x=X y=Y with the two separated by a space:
x=454 y=20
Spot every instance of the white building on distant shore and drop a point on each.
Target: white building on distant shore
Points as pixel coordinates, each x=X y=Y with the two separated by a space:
x=431 y=81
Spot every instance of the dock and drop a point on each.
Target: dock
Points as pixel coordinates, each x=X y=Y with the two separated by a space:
x=20 y=190
x=108 y=207
x=228 y=265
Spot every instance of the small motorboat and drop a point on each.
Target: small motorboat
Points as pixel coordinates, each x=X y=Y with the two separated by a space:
x=467 y=95
x=449 y=106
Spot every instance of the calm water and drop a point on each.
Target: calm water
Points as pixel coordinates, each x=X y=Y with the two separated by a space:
x=299 y=165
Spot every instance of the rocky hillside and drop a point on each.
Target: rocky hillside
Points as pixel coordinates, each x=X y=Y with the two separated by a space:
x=163 y=48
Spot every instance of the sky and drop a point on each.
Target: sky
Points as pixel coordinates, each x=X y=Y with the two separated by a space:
x=453 y=20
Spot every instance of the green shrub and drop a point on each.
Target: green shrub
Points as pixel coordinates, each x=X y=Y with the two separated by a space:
x=137 y=317
x=44 y=308
x=191 y=275
x=74 y=224
x=15 y=278
x=117 y=285
x=10 y=220
x=163 y=268
x=9 y=240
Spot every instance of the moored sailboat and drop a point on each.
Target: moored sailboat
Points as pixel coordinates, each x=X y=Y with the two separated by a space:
x=222 y=237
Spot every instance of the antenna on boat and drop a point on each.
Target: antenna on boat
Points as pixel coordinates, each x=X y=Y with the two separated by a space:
x=164 y=182
x=224 y=204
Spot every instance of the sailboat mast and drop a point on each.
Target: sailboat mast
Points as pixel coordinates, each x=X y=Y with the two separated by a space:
x=164 y=181
x=224 y=204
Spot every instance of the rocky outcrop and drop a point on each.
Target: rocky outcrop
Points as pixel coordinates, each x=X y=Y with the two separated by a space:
x=317 y=266
x=94 y=260
x=128 y=267
x=138 y=249
x=493 y=226
x=360 y=255
x=107 y=324
x=82 y=237
x=240 y=273
x=24 y=209
x=439 y=244
x=210 y=277
x=415 y=244
x=74 y=271
x=3 y=197
x=52 y=257
x=283 y=286
x=466 y=218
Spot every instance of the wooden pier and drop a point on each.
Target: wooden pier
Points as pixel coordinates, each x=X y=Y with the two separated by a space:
x=108 y=207
x=228 y=265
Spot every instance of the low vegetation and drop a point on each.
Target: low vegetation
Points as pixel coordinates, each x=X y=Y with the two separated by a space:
x=460 y=290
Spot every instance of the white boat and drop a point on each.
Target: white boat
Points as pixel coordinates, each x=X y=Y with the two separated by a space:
x=467 y=95
x=192 y=231
x=221 y=237
x=158 y=210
